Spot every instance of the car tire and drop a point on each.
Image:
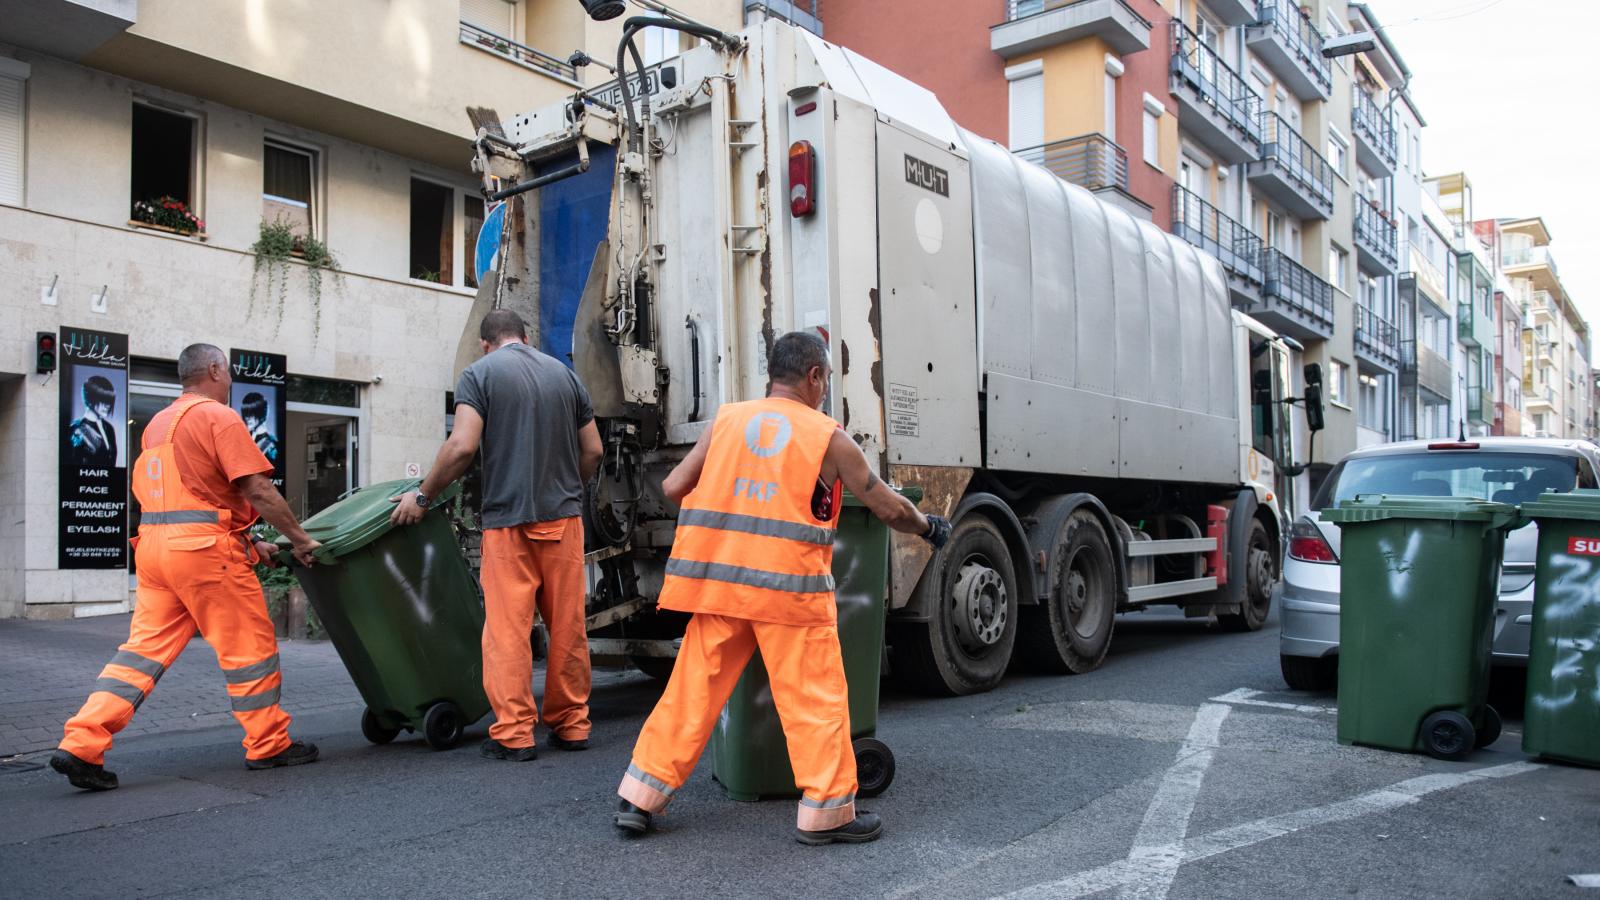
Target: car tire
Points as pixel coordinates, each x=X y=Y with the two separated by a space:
x=1310 y=673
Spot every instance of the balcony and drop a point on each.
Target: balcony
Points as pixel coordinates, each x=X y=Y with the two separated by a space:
x=1375 y=148
x=1089 y=161
x=1519 y=259
x=802 y=13
x=1293 y=300
x=488 y=41
x=1035 y=24
x=1233 y=13
x=1377 y=339
x=1480 y=406
x=1292 y=46
x=1215 y=105
x=1376 y=251
x=1543 y=399
x=71 y=29
x=1507 y=420
x=1291 y=171
x=1237 y=247
x=1426 y=276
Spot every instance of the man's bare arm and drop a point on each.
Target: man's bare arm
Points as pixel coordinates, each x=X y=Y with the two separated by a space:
x=686 y=474
x=851 y=465
x=453 y=458
x=590 y=450
x=265 y=498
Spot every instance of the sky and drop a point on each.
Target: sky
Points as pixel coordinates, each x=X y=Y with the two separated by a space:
x=1505 y=88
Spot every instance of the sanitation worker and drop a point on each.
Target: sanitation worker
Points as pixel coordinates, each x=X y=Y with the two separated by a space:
x=200 y=481
x=534 y=422
x=752 y=560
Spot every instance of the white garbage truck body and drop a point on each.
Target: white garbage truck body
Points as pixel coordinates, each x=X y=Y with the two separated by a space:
x=1069 y=384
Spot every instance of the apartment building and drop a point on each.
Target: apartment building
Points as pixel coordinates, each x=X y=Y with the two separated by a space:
x=1556 y=372
x=146 y=148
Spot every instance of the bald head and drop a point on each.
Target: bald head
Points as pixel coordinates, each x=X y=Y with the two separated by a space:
x=196 y=360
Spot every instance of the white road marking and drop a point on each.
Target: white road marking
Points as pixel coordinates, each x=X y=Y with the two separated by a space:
x=1246 y=697
x=1158 y=846
x=1394 y=796
x=1585 y=880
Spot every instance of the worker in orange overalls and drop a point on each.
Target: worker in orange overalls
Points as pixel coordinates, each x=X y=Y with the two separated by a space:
x=199 y=481
x=753 y=561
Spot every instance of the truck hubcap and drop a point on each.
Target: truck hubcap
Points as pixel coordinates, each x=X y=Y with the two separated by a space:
x=980 y=606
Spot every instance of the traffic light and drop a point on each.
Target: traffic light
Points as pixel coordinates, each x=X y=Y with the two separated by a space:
x=45 y=355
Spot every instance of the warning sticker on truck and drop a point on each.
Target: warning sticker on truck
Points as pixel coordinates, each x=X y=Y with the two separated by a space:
x=904 y=411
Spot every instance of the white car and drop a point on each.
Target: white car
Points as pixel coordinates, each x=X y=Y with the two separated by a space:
x=1503 y=469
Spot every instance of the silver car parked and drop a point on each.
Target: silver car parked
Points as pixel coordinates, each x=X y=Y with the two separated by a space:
x=1504 y=469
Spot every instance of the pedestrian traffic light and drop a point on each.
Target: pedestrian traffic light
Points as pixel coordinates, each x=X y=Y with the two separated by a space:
x=45 y=357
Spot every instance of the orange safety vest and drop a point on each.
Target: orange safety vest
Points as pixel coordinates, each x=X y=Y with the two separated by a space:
x=168 y=510
x=747 y=544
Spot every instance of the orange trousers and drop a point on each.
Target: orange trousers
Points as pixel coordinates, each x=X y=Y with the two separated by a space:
x=214 y=591
x=808 y=687
x=528 y=568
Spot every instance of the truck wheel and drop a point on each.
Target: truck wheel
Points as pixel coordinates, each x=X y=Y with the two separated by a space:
x=1309 y=673
x=1070 y=630
x=972 y=606
x=1260 y=574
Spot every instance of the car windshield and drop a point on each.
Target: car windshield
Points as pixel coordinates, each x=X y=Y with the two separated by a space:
x=1502 y=477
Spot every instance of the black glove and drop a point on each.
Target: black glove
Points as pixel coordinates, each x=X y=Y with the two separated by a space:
x=938 y=533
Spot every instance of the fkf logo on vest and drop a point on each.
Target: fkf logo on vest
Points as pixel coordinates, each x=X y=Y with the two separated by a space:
x=765 y=435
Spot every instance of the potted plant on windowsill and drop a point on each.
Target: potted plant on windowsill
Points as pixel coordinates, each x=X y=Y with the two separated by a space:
x=167 y=214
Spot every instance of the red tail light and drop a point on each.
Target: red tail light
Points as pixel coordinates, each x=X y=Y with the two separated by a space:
x=802 y=175
x=1454 y=445
x=1307 y=544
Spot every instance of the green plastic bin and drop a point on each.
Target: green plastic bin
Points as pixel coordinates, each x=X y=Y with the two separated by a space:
x=749 y=757
x=1418 y=581
x=1562 y=715
x=403 y=612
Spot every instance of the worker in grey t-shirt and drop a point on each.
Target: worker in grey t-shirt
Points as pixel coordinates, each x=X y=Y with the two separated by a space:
x=540 y=446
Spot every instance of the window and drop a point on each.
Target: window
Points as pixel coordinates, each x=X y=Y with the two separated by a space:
x=1109 y=122
x=432 y=232
x=1152 y=138
x=498 y=16
x=1416 y=153
x=1338 y=265
x=1338 y=152
x=1369 y=405
x=657 y=44
x=472 y=214
x=1027 y=104
x=1339 y=383
x=288 y=180
x=163 y=156
x=13 y=78
x=1369 y=292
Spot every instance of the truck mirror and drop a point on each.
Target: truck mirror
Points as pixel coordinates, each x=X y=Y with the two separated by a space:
x=1313 y=373
x=1313 y=402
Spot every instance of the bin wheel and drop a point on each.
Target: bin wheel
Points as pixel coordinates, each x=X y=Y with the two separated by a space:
x=373 y=729
x=1489 y=732
x=1448 y=734
x=874 y=766
x=442 y=725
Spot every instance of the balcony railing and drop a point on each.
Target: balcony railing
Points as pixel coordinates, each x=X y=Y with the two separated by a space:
x=1090 y=161
x=1375 y=334
x=484 y=39
x=1480 y=405
x=1204 y=226
x=1296 y=286
x=1292 y=29
x=1307 y=170
x=1426 y=274
x=1021 y=9
x=1372 y=125
x=806 y=14
x=1216 y=84
x=1376 y=236
x=1513 y=258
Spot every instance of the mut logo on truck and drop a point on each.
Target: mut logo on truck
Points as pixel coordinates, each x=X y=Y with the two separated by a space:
x=1583 y=546
x=927 y=176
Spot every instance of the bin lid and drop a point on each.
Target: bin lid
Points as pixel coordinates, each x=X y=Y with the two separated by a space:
x=1378 y=507
x=362 y=517
x=1580 y=504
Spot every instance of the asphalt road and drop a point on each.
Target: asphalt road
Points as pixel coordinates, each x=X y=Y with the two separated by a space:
x=1134 y=781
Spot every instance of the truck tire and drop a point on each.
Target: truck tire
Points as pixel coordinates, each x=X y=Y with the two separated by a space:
x=1260 y=573
x=1069 y=631
x=965 y=646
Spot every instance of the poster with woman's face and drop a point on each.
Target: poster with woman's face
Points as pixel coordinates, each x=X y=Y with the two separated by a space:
x=98 y=424
x=257 y=405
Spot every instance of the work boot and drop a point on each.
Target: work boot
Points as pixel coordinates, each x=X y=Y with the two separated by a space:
x=864 y=827
x=493 y=749
x=632 y=818
x=86 y=775
x=296 y=754
x=561 y=743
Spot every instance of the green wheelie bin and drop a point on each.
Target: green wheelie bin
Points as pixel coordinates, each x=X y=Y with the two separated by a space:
x=403 y=612
x=1418 y=581
x=1561 y=719
x=749 y=757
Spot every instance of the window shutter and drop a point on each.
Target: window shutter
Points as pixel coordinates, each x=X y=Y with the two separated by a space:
x=490 y=15
x=1027 y=112
x=10 y=140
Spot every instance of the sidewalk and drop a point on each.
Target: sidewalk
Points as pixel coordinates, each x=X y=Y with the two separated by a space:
x=48 y=668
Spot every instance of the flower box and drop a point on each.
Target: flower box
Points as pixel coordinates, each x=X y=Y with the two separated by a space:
x=150 y=226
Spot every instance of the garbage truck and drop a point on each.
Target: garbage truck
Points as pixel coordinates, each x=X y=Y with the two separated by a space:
x=1068 y=384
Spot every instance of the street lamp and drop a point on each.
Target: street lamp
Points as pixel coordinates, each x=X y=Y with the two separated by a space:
x=1349 y=44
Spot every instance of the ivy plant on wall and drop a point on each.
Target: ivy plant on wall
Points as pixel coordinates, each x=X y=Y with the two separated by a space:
x=274 y=247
